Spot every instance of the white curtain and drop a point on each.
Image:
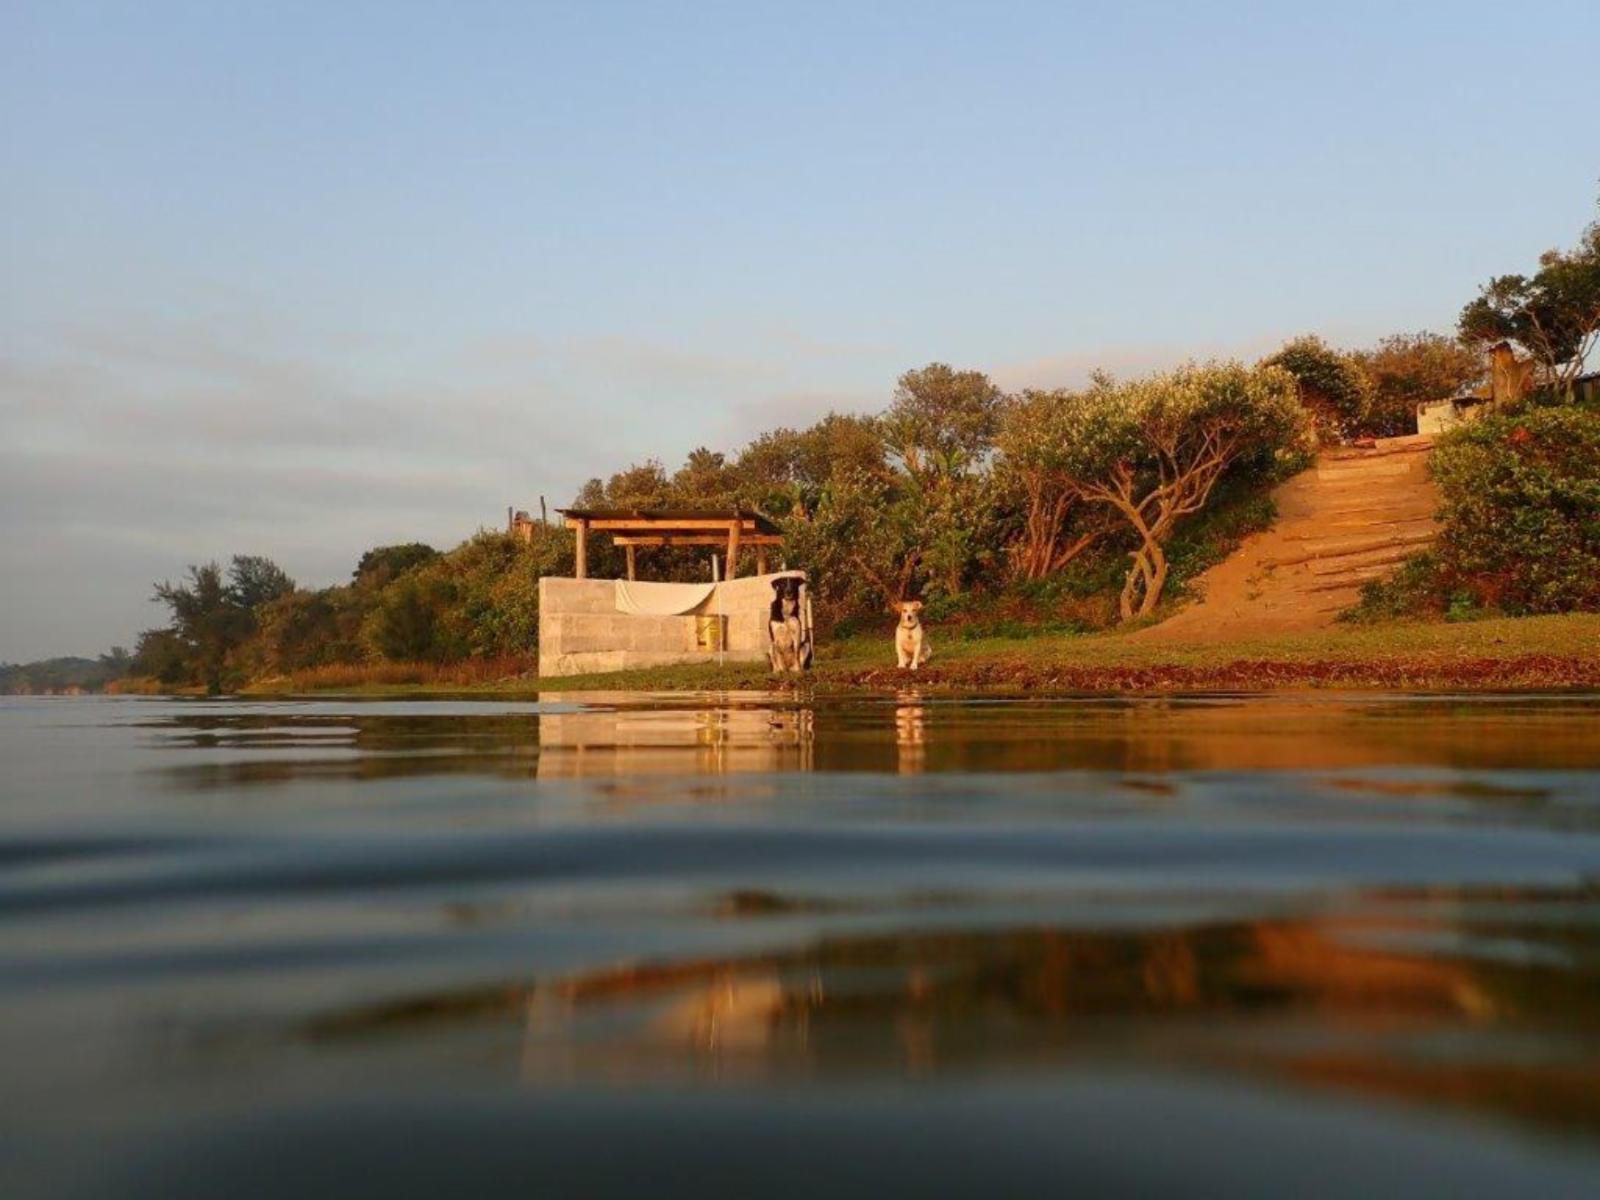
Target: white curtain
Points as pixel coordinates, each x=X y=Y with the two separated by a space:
x=660 y=599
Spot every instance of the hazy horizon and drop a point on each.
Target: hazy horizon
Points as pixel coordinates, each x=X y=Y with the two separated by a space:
x=296 y=280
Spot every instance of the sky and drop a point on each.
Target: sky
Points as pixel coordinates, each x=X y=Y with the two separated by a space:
x=301 y=279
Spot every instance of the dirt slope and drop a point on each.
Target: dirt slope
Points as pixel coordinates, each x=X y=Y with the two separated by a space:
x=1353 y=517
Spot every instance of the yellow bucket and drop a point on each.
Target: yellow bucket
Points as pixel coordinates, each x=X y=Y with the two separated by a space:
x=710 y=632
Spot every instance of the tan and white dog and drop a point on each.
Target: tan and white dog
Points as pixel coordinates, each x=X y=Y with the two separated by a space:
x=910 y=638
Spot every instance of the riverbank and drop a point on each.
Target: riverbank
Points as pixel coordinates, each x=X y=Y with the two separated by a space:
x=1525 y=654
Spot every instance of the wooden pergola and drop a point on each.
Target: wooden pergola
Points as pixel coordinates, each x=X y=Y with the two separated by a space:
x=731 y=528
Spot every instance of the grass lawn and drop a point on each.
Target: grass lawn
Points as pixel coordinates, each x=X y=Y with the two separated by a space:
x=1530 y=653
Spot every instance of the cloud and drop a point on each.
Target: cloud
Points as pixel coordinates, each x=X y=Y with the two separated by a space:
x=127 y=453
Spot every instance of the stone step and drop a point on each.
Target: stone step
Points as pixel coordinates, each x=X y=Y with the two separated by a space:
x=1342 y=547
x=1395 y=484
x=1352 y=579
x=1376 y=515
x=1381 y=468
x=1416 y=443
x=1375 y=558
x=1413 y=522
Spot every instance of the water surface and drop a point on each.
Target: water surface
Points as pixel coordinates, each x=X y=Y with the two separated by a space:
x=739 y=945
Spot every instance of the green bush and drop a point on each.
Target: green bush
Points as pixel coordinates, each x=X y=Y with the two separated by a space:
x=1332 y=386
x=1521 y=511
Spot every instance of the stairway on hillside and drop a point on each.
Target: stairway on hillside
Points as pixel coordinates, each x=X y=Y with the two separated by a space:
x=1353 y=517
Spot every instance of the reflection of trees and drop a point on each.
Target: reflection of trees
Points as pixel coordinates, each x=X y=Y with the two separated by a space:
x=1311 y=1001
x=270 y=748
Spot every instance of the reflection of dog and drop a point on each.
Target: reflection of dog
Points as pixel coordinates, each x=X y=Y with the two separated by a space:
x=910 y=639
x=784 y=623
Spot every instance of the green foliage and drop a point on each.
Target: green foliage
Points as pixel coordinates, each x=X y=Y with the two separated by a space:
x=67 y=674
x=1331 y=385
x=1521 y=510
x=1406 y=370
x=942 y=421
x=1553 y=314
x=208 y=622
x=1413 y=590
x=1042 y=517
x=404 y=625
x=1151 y=451
x=382 y=564
x=788 y=472
x=254 y=581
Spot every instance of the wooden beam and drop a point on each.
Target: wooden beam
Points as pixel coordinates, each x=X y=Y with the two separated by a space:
x=694 y=539
x=632 y=567
x=583 y=549
x=650 y=524
x=733 y=549
x=761 y=558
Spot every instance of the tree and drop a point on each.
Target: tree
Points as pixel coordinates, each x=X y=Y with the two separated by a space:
x=706 y=479
x=1152 y=450
x=1553 y=315
x=1330 y=385
x=643 y=485
x=942 y=421
x=384 y=563
x=787 y=471
x=405 y=622
x=207 y=620
x=1034 y=464
x=161 y=655
x=1406 y=370
x=254 y=581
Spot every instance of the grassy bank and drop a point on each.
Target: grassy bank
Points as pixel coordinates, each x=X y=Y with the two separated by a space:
x=1531 y=653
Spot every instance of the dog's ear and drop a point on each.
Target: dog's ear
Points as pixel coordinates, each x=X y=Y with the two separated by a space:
x=916 y=606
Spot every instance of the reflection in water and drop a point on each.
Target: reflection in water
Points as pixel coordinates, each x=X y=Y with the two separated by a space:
x=910 y=732
x=600 y=735
x=603 y=742
x=231 y=933
x=1321 y=1001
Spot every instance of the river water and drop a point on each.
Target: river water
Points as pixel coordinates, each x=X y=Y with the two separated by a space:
x=744 y=945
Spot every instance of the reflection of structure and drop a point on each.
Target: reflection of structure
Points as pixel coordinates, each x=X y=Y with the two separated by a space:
x=603 y=742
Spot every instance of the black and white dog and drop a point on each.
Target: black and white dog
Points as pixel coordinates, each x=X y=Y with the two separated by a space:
x=788 y=650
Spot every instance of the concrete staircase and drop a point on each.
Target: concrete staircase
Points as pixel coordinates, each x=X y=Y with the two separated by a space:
x=1352 y=518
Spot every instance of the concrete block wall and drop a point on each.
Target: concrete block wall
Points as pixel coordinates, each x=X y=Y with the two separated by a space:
x=581 y=631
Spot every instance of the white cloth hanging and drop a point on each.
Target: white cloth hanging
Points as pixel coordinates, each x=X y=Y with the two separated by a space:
x=661 y=599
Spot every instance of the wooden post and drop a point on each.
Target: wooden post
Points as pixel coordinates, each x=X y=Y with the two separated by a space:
x=761 y=560
x=632 y=575
x=583 y=549
x=733 y=550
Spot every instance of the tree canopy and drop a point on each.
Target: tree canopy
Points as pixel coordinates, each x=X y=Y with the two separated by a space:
x=1553 y=315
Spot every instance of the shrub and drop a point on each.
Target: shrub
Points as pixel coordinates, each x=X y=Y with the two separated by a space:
x=1521 y=511
x=1405 y=370
x=1413 y=590
x=1332 y=387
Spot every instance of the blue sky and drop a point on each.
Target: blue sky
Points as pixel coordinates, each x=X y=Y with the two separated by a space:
x=298 y=279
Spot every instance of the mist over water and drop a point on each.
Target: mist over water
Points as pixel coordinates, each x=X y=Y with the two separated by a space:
x=752 y=944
